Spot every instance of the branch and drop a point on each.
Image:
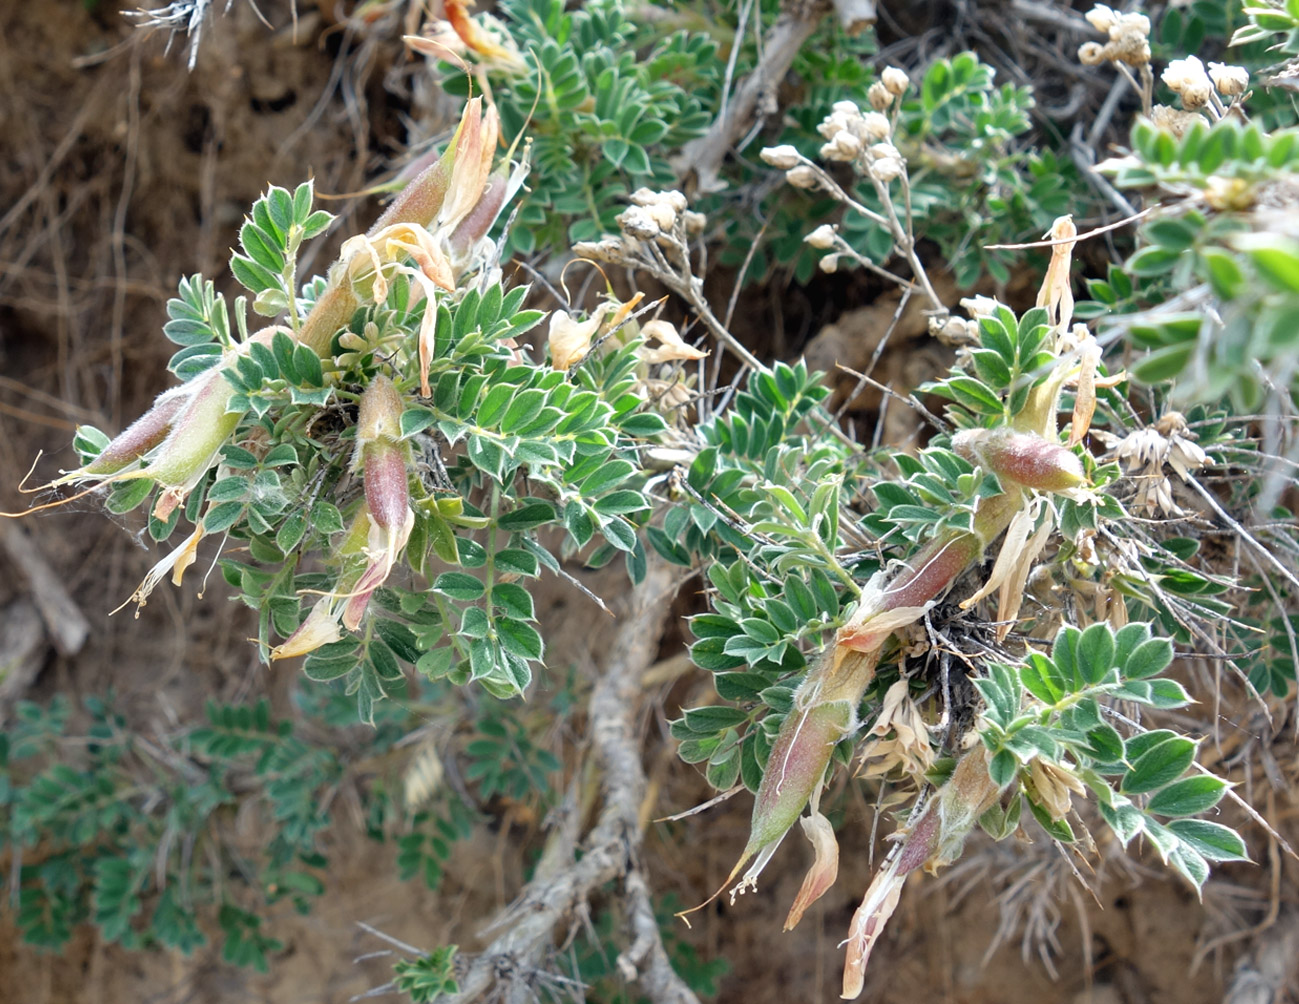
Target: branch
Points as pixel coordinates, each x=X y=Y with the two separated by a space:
x=703 y=157
x=611 y=850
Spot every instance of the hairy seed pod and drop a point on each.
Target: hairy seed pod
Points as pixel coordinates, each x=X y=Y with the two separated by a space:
x=1021 y=457
x=140 y=436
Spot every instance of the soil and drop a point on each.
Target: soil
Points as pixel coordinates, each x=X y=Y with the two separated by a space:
x=121 y=172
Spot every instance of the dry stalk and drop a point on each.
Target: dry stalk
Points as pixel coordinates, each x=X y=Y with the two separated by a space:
x=611 y=850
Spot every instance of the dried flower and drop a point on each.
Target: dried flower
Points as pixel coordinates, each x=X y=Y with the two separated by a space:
x=1054 y=787
x=824 y=870
x=876 y=126
x=802 y=176
x=829 y=264
x=879 y=96
x=782 y=157
x=1230 y=80
x=1228 y=194
x=909 y=748
x=671 y=346
x=823 y=237
x=1144 y=453
x=843 y=146
x=895 y=80
x=570 y=340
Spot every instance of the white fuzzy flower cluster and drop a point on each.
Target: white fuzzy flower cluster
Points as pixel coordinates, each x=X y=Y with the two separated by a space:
x=848 y=131
x=1129 y=38
x=652 y=214
x=1187 y=78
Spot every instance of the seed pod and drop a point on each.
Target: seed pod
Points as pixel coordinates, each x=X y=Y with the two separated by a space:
x=1021 y=457
x=333 y=310
x=140 y=436
x=381 y=455
x=191 y=446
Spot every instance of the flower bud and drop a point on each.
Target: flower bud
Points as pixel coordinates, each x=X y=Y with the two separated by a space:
x=879 y=96
x=1102 y=18
x=382 y=457
x=895 y=80
x=876 y=126
x=1024 y=458
x=1230 y=80
x=783 y=157
x=802 y=176
x=843 y=146
x=823 y=238
x=190 y=449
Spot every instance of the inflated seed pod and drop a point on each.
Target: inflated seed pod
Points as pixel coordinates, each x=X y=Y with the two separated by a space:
x=1024 y=458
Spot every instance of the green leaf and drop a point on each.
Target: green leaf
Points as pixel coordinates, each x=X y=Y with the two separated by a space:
x=1163 y=364
x=1096 y=652
x=1189 y=797
x=519 y=639
x=1159 y=766
x=459 y=586
x=711 y=719
x=527 y=517
x=1148 y=659
x=1212 y=840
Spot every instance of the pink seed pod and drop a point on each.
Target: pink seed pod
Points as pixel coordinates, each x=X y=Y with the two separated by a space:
x=1024 y=458
x=140 y=436
x=381 y=455
x=796 y=766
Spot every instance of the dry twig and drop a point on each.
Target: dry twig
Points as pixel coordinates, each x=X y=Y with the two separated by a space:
x=611 y=849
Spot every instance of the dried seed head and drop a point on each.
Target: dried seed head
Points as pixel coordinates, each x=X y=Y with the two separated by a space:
x=639 y=222
x=1183 y=73
x=802 y=176
x=1196 y=95
x=876 y=126
x=783 y=157
x=879 y=96
x=1171 y=120
x=1230 y=80
x=829 y=264
x=1091 y=54
x=895 y=80
x=822 y=238
x=1102 y=18
x=843 y=147
x=887 y=169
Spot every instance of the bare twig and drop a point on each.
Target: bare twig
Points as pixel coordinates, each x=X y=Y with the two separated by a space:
x=611 y=849
x=703 y=157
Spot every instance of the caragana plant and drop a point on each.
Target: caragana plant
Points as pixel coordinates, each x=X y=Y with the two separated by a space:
x=798 y=560
x=386 y=419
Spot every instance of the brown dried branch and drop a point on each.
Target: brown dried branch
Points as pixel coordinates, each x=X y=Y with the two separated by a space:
x=755 y=97
x=611 y=849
